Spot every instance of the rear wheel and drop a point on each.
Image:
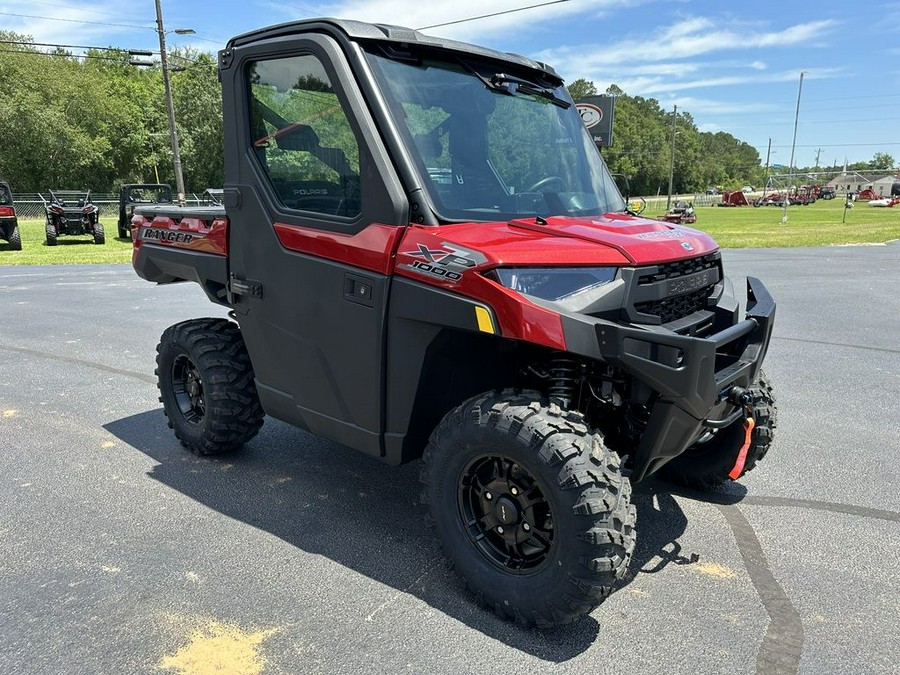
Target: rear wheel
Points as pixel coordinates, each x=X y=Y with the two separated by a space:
x=99 y=235
x=206 y=386
x=15 y=239
x=706 y=464
x=530 y=506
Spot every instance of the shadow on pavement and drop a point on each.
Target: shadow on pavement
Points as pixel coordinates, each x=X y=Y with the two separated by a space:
x=329 y=500
x=661 y=521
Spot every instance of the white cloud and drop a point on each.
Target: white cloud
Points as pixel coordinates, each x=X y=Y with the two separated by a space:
x=710 y=127
x=758 y=65
x=686 y=39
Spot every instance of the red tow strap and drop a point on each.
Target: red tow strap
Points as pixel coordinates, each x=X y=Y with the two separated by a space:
x=738 y=469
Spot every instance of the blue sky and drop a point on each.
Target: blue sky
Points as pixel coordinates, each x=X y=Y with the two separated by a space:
x=734 y=66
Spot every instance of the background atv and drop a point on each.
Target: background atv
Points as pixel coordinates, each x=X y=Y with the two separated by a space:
x=71 y=212
x=132 y=195
x=9 y=224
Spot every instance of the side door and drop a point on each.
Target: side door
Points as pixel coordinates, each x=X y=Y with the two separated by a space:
x=316 y=212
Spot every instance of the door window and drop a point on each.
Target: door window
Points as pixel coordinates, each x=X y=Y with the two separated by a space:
x=302 y=138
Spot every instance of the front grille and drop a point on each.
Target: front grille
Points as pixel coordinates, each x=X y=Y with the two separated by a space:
x=671 y=291
x=677 y=307
x=680 y=268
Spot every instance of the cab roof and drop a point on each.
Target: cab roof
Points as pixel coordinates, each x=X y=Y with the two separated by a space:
x=358 y=31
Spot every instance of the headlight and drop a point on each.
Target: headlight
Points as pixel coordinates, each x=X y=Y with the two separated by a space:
x=554 y=283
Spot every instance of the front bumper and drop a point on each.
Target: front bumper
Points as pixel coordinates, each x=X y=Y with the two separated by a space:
x=690 y=375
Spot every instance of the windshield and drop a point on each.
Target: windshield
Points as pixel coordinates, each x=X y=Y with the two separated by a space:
x=492 y=146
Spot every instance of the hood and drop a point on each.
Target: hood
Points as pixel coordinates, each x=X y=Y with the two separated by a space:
x=611 y=239
x=642 y=241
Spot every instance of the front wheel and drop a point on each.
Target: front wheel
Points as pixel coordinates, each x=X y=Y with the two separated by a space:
x=530 y=506
x=206 y=386
x=99 y=235
x=50 y=233
x=708 y=463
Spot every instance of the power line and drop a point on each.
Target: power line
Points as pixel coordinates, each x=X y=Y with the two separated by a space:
x=844 y=98
x=63 y=46
x=220 y=43
x=94 y=23
x=63 y=56
x=837 y=145
x=775 y=123
x=80 y=9
x=493 y=14
x=121 y=50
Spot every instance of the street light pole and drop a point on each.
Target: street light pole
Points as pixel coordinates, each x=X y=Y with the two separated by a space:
x=170 y=105
x=672 y=161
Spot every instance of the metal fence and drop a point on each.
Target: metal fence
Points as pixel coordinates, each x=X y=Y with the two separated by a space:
x=29 y=205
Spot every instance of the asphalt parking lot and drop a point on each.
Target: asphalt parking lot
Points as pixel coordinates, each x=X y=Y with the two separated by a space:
x=122 y=553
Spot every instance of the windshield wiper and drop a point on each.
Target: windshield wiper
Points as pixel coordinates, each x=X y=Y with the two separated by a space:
x=502 y=81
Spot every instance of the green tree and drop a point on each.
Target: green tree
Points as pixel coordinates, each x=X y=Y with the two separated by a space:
x=198 y=106
x=581 y=88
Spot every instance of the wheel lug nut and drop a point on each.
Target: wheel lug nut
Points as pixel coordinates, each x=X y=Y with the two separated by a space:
x=499 y=529
x=488 y=496
x=526 y=526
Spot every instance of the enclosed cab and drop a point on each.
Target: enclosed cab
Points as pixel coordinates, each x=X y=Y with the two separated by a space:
x=426 y=257
x=132 y=195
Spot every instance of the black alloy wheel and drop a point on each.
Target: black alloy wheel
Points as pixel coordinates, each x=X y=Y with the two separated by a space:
x=187 y=388
x=506 y=514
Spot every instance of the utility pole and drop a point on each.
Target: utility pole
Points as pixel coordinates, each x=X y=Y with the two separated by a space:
x=768 y=154
x=793 y=146
x=818 y=152
x=170 y=104
x=672 y=161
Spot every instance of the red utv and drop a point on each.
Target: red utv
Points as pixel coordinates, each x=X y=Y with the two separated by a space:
x=424 y=256
x=9 y=224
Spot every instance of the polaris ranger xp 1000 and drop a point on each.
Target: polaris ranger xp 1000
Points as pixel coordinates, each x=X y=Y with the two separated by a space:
x=425 y=257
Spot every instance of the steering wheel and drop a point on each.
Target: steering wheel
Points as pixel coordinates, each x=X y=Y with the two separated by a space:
x=544 y=182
